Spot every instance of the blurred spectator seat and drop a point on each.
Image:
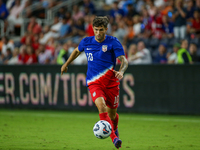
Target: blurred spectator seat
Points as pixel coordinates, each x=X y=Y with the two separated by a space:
x=172 y=41
x=198 y=51
x=154 y=42
x=164 y=40
x=195 y=41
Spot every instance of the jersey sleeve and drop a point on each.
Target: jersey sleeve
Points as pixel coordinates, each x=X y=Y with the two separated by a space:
x=118 y=49
x=81 y=46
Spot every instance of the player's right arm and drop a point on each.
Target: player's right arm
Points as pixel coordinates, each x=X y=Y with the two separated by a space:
x=73 y=56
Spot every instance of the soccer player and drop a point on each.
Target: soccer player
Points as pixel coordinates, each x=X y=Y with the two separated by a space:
x=102 y=78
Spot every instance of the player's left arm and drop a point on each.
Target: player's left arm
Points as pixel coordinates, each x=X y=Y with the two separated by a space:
x=124 y=65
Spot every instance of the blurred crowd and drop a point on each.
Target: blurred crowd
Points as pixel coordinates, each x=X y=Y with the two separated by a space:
x=151 y=31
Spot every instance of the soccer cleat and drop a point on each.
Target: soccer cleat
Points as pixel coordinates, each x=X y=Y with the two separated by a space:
x=117 y=133
x=117 y=142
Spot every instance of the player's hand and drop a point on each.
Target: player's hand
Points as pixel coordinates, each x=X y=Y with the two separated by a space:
x=63 y=69
x=119 y=75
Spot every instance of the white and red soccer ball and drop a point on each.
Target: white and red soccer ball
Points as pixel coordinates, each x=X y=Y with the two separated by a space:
x=102 y=129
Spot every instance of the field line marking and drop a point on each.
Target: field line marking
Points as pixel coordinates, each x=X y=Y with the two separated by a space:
x=121 y=118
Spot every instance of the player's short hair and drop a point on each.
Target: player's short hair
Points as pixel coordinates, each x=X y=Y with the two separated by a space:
x=100 y=21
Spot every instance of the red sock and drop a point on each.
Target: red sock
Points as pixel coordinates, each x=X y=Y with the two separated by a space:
x=115 y=122
x=104 y=116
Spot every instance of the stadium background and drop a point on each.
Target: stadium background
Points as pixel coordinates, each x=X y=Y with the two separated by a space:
x=47 y=31
x=36 y=38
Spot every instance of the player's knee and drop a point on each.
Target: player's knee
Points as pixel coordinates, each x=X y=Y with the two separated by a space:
x=102 y=108
x=101 y=105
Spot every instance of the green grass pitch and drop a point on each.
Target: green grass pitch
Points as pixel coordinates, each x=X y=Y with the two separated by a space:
x=63 y=130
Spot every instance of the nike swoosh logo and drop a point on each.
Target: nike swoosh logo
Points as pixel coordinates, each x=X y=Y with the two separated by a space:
x=88 y=48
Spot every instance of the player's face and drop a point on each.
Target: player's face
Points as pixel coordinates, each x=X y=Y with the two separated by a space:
x=100 y=33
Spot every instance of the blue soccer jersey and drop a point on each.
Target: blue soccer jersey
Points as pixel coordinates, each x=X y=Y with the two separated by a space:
x=101 y=59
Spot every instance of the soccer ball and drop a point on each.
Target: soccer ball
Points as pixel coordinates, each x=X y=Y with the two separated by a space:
x=102 y=129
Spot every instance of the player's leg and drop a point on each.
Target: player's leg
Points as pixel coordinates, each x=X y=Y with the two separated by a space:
x=114 y=118
x=99 y=97
x=101 y=106
x=112 y=113
x=112 y=101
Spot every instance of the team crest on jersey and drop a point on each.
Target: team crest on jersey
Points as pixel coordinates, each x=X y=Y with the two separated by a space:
x=104 y=48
